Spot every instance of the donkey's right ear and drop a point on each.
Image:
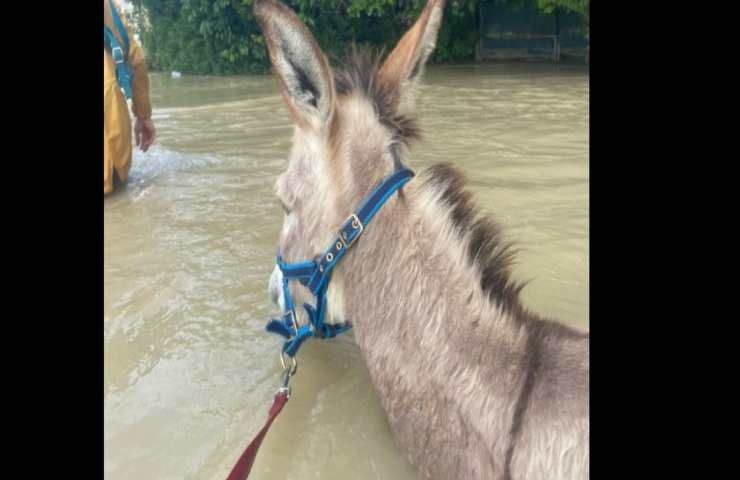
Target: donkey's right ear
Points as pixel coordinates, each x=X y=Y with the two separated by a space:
x=301 y=67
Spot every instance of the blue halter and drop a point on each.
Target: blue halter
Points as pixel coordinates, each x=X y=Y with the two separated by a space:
x=316 y=274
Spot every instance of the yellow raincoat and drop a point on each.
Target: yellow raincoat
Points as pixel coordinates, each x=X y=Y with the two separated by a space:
x=117 y=139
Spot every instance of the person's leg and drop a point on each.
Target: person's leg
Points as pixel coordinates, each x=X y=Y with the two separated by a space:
x=116 y=135
x=117 y=182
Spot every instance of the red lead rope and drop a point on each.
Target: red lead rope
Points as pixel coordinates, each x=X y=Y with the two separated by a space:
x=244 y=465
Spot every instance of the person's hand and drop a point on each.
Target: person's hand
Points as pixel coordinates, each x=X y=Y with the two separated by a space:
x=145 y=133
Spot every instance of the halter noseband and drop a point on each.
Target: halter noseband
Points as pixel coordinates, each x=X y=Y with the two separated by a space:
x=316 y=274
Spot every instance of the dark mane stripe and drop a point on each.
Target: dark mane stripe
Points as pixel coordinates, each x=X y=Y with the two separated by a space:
x=486 y=249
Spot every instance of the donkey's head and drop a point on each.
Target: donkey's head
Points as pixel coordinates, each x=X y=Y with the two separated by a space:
x=351 y=128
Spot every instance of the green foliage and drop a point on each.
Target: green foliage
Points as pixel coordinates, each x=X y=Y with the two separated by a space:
x=575 y=6
x=200 y=36
x=222 y=36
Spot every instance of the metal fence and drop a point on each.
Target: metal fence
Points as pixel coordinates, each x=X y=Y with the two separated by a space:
x=525 y=33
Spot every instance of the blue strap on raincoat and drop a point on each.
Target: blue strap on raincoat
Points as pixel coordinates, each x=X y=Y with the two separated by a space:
x=120 y=54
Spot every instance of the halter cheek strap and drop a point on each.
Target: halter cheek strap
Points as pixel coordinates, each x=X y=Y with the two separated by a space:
x=316 y=274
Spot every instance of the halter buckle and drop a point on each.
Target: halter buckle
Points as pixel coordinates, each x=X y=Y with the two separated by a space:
x=356 y=225
x=117 y=54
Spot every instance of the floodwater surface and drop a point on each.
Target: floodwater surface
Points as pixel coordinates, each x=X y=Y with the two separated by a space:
x=190 y=242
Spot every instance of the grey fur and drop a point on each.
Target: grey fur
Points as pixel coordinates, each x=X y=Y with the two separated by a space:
x=475 y=386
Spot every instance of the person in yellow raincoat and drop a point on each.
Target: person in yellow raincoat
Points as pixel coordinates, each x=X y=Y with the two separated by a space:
x=117 y=123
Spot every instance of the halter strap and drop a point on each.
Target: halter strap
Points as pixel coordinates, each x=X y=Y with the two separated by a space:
x=316 y=274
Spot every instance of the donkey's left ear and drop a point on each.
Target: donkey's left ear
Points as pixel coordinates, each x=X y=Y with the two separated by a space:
x=405 y=64
x=301 y=67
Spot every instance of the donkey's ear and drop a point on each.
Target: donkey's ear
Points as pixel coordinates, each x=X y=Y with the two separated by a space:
x=405 y=64
x=301 y=67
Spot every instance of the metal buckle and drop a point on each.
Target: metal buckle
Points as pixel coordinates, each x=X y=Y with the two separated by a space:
x=357 y=225
x=117 y=53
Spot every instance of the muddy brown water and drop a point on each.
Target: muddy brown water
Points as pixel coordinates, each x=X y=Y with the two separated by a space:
x=189 y=246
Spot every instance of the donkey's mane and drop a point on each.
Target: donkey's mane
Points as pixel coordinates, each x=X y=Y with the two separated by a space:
x=358 y=73
x=487 y=250
x=491 y=255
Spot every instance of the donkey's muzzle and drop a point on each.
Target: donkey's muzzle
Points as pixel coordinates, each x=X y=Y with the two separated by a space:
x=274 y=288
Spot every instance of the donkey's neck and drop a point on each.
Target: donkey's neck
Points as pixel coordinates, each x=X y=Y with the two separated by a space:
x=440 y=353
x=410 y=278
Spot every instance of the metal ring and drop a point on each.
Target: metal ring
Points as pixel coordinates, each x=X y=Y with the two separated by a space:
x=292 y=368
x=285 y=383
x=338 y=246
x=329 y=257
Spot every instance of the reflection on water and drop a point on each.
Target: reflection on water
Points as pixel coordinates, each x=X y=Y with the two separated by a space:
x=190 y=242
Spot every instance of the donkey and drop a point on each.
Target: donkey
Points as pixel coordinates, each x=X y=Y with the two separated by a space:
x=474 y=385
